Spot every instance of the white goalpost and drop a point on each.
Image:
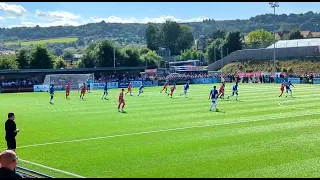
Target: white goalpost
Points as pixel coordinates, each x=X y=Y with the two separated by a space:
x=61 y=80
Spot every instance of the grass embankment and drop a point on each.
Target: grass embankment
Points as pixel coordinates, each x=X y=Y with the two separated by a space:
x=291 y=66
x=44 y=41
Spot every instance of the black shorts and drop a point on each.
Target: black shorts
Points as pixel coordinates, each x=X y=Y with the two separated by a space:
x=88 y=86
x=11 y=143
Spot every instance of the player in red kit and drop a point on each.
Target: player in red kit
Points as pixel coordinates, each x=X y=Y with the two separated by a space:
x=129 y=89
x=283 y=84
x=67 y=90
x=165 y=87
x=221 y=90
x=83 y=90
x=172 y=90
x=121 y=101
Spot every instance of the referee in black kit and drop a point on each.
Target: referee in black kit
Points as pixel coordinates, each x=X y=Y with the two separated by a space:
x=11 y=132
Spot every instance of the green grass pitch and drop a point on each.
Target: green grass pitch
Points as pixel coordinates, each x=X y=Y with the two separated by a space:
x=261 y=135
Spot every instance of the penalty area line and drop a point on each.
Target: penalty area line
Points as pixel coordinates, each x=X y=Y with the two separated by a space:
x=51 y=168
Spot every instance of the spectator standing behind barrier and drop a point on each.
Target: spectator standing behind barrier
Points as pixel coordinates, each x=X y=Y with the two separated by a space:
x=8 y=161
x=11 y=132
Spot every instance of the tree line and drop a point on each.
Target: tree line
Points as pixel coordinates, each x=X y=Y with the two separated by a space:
x=100 y=54
x=135 y=33
x=178 y=38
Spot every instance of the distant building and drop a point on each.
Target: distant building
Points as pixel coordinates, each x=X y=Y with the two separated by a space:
x=6 y=52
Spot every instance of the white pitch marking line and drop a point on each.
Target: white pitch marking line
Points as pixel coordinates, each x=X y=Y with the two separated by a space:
x=156 y=131
x=54 y=169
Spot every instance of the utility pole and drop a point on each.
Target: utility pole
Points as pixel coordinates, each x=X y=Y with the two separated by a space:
x=274 y=5
x=114 y=57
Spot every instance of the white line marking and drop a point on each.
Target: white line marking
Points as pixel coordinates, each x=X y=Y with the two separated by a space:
x=156 y=131
x=54 y=169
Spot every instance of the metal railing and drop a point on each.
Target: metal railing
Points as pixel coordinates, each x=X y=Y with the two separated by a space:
x=28 y=173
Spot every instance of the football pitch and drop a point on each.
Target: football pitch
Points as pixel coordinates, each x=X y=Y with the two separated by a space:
x=261 y=135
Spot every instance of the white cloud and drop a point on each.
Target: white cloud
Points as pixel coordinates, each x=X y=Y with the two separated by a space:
x=162 y=19
x=1 y=18
x=63 y=18
x=56 y=15
x=13 y=9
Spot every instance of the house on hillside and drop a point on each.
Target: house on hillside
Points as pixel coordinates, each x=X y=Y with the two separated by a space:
x=309 y=34
x=72 y=59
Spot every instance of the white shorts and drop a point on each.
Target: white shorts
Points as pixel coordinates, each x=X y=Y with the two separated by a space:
x=185 y=91
x=105 y=91
x=213 y=100
x=140 y=91
x=52 y=94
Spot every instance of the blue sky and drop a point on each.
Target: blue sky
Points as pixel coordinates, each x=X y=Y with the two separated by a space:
x=16 y=14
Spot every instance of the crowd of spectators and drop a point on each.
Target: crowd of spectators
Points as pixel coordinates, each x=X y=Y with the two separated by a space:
x=20 y=82
x=125 y=77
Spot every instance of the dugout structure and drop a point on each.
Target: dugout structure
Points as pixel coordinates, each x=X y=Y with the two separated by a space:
x=61 y=80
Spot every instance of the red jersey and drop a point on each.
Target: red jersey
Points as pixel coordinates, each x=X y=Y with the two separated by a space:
x=221 y=88
x=282 y=85
x=165 y=85
x=83 y=88
x=121 y=96
x=68 y=88
x=173 y=88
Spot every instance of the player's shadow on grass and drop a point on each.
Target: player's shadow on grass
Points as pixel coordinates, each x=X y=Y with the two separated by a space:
x=218 y=111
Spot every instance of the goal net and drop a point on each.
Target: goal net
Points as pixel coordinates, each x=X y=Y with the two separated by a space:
x=61 y=80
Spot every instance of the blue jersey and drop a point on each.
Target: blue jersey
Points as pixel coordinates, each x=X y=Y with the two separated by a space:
x=186 y=87
x=288 y=84
x=235 y=87
x=213 y=93
x=51 y=90
x=106 y=87
x=141 y=87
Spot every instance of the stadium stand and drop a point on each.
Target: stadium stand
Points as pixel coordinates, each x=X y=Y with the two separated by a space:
x=285 y=49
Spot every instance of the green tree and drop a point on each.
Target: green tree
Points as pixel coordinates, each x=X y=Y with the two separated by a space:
x=151 y=59
x=186 y=39
x=88 y=59
x=59 y=63
x=211 y=53
x=8 y=62
x=100 y=54
x=78 y=64
x=23 y=59
x=67 y=55
x=131 y=58
x=153 y=37
x=190 y=54
x=295 y=34
x=218 y=34
x=260 y=37
x=171 y=33
x=232 y=42
x=41 y=58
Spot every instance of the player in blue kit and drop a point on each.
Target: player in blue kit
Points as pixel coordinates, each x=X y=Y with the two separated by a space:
x=141 y=89
x=105 y=91
x=288 y=84
x=51 y=91
x=213 y=96
x=234 y=91
x=185 y=88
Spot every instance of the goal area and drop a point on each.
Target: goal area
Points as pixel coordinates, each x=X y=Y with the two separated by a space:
x=61 y=80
